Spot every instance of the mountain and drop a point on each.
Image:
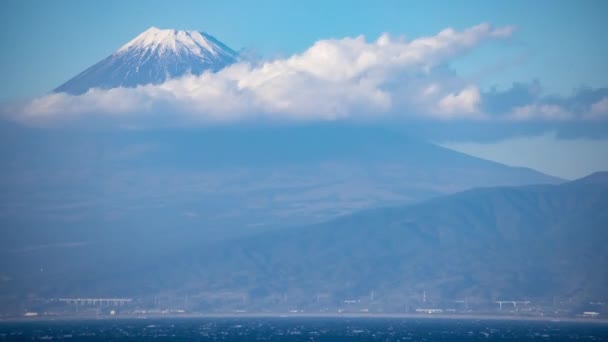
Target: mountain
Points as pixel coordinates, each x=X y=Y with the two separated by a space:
x=537 y=243
x=532 y=243
x=220 y=181
x=598 y=178
x=112 y=201
x=153 y=57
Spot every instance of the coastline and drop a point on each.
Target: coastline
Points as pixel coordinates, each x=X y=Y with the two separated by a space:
x=303 y=315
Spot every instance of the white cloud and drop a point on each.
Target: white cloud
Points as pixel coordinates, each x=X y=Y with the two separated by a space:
x=541 y=112
x=332 y=79
x=464 y=103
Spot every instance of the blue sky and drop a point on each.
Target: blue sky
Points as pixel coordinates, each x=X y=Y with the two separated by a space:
x=557 y=47
x=557 y=42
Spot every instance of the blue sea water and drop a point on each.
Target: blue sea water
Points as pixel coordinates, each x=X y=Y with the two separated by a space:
x=301 y=329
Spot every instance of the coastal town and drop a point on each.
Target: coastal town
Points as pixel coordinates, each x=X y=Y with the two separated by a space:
x=321 y=305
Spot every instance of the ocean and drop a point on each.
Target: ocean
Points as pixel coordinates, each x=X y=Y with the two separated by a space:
x=301 y=329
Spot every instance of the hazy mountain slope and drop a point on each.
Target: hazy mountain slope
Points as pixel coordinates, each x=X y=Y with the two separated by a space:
x=212 y=182
x=532 y=242
x=83 y=213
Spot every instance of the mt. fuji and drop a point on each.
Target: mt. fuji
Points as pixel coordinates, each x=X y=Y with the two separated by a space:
x=153 y=57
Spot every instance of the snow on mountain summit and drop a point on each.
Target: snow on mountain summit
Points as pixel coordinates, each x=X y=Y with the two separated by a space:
x=154 y=56
x=174 y=41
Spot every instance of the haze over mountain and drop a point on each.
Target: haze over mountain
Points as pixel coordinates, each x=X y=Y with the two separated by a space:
x=153 y=57
x=218 y=181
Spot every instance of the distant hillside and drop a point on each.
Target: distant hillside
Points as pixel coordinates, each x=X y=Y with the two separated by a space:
x=505 y=242
x=531 y=242
x=210 y=183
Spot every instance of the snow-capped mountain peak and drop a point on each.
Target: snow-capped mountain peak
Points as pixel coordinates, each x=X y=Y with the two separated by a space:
x=174 y=41
x=154 y=56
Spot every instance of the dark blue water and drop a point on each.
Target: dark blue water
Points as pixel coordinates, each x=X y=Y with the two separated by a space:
x=302 y=329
